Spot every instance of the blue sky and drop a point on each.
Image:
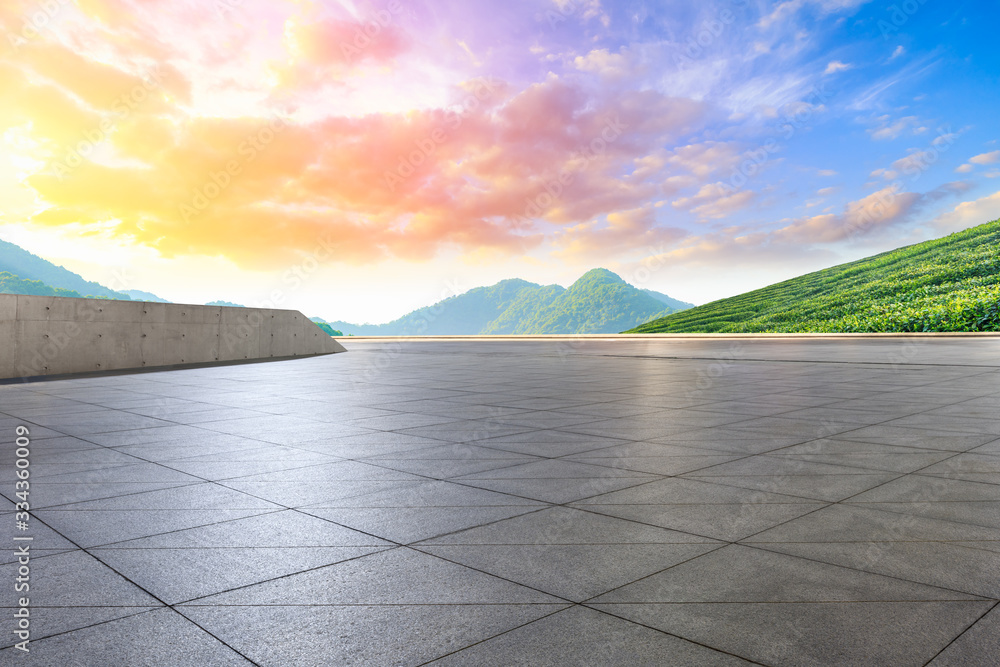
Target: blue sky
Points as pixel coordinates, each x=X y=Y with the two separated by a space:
x=699 y=149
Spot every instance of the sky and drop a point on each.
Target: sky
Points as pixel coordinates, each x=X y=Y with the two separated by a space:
x=357 y=160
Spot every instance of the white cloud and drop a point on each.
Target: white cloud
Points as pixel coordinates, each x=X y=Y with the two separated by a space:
x=969 y=214
x=716 y=200
x=876 y=211
x=916 y=162
x=790 y=7
x=890 y=130
x=986 y=158
x=964 y=169
x=887 y=174
x=837 y=66
x=898 y=52
x=604 y=63
x=623 y=231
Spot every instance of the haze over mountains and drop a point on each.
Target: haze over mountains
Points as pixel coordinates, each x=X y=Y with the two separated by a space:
x=599 y=302
x=26 y=266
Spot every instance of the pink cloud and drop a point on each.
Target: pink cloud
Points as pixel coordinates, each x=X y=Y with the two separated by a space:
x=864 y=216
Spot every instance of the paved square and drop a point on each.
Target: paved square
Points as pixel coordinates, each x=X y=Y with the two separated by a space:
x=793 y=501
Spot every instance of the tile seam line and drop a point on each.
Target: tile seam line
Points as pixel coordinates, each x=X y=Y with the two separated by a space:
x=153 y=596
x=600 y=611
x=981 y=598
x=956 y=638
x=500 y=634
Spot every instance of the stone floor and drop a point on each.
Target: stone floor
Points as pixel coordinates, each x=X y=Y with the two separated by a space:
x=631 y=502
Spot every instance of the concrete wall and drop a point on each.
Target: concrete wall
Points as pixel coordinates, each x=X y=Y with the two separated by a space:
x=43 y=335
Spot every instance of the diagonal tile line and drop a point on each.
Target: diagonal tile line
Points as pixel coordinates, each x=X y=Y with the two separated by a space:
x=956 y=638
x=500 y=634
x=151 y=594
x=693 y=641
x=760 y=547
x=721 y=545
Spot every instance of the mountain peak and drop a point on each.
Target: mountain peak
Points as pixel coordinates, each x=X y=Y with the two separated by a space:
x=599 y=275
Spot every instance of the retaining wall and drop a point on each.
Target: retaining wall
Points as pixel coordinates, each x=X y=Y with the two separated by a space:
x=43 y=335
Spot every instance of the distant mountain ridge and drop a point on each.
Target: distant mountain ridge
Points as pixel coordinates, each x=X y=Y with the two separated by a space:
x=21 y=263
x=11 y=284
x=599 y=302
x=139 y=295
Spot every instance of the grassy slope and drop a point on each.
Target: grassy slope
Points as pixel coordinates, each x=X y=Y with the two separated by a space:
x=950 y=284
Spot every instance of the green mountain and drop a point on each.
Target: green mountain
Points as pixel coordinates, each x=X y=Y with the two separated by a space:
x=599 y=302
x=11 y=284
x=21 y=263
x=676 y=304
x=139 y=295
x=950 y=284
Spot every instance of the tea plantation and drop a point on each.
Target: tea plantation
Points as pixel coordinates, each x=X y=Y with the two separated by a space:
x=950 y=284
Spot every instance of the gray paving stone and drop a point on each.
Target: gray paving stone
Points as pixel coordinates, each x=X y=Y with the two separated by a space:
x=822 y=487
x=72 y=590
x=862 y=523
x=557 y=489
x=398 y=576
x=549 y=443
x=929 y=489
x=701 y=507
x=659 y=465
x=460 y=454
x=976 y=513
x=157 y=638
x=362 y=635
x=928 y=438
x=196 y=562
x=575 y=572
x=52 y=494
x=422 y=511
x=813 y=633
x=582 y=636
x=946 y=565
x=737 y=573
x=979 y=645
x=56 y=622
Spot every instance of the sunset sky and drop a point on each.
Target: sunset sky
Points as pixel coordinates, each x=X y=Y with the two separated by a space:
x=358 y=160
